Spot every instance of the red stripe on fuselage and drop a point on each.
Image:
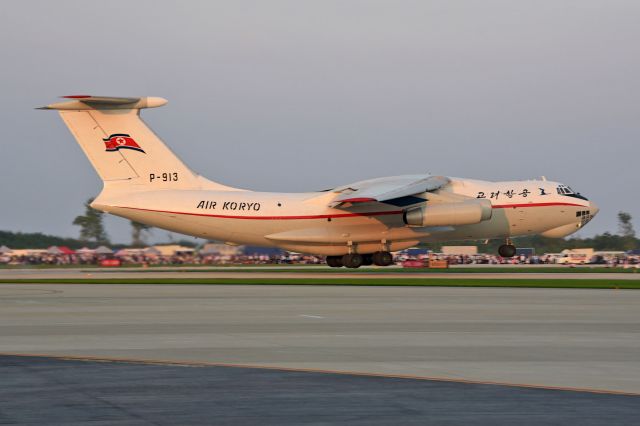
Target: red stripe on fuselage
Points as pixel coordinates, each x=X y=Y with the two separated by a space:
x=319 y=216
x=337 y=215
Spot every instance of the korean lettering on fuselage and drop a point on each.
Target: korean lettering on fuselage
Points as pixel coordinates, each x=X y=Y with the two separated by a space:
x=510 y=193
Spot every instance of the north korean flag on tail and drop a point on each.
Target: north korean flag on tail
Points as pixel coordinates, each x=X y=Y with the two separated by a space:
x=119 y=141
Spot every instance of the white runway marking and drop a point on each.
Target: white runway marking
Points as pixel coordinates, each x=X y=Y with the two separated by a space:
x=312 y=316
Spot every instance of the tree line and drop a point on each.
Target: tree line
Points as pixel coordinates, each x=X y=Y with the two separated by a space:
x=92 y=228
x=92 y=234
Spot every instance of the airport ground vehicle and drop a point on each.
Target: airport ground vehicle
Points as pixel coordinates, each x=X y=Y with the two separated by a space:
x=573 y=259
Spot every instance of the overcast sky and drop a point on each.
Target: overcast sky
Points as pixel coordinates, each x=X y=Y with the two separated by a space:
x=303 y=95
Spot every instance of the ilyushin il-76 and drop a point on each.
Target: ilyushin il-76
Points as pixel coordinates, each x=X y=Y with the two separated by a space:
x=356 y=224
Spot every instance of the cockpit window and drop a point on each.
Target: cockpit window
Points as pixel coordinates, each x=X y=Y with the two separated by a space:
x=565 y=190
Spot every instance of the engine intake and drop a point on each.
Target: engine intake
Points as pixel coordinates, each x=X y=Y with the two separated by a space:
x=447 y=214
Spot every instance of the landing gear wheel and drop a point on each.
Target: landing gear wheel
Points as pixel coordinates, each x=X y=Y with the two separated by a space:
x=367 y=259
x=334 y=261
x=507 y=250
x=382 y=258
x=353 y=260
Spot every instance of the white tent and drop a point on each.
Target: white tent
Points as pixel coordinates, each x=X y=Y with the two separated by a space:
x=5 y=250
x=54 y=250
x=152 y=251
x=103 y=250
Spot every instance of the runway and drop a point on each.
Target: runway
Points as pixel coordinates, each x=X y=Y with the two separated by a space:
x=584 y=339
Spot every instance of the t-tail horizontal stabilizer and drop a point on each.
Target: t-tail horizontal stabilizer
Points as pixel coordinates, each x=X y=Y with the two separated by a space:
x=85 y=102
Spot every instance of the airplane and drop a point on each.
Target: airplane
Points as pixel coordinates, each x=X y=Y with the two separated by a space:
x=356 y=224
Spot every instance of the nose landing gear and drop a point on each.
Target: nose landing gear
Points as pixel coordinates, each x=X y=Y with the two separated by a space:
x=507 y=250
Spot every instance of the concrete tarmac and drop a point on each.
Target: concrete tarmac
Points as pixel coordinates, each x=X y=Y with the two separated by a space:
x=549 y=337
x=49 y=391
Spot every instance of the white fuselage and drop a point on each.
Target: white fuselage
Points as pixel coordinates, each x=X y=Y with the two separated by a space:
x=305 y=222
x=146 y=182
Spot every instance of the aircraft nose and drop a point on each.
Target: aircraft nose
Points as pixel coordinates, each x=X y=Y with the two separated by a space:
x=593 y=207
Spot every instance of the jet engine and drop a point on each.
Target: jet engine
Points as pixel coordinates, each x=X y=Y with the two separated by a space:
x=448 y=214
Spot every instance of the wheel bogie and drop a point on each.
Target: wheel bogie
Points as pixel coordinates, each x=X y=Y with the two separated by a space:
x=334 y=261
x=352 y=260
x=382 y=258
x=355 y=260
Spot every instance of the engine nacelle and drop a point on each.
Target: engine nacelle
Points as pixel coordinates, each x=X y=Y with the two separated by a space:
x=449 y=214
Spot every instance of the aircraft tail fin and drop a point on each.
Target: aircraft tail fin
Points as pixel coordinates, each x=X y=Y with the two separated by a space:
x=122 y=148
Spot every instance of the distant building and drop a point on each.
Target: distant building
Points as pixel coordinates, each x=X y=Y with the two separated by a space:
x=525 y=251
x=217 y=249
x=28 y=252
x=460 y=250
x=172 y=250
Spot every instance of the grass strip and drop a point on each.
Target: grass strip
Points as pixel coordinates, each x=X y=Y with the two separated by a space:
x=408 y=282
x=408 y=271
x=324 y=269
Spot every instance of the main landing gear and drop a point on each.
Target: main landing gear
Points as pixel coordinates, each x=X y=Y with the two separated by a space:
x=507 y=250
x=382 y=258
x=335 y=261
x=355 y=260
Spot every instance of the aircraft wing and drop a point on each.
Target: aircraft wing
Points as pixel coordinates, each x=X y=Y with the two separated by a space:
x=396 y=190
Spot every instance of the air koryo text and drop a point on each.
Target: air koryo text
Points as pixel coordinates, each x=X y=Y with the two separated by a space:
x=228 y=205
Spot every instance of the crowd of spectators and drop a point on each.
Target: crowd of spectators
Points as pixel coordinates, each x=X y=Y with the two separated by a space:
x=489 y=259
x=179 y=255
x=150 y=256
x=611 y=260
